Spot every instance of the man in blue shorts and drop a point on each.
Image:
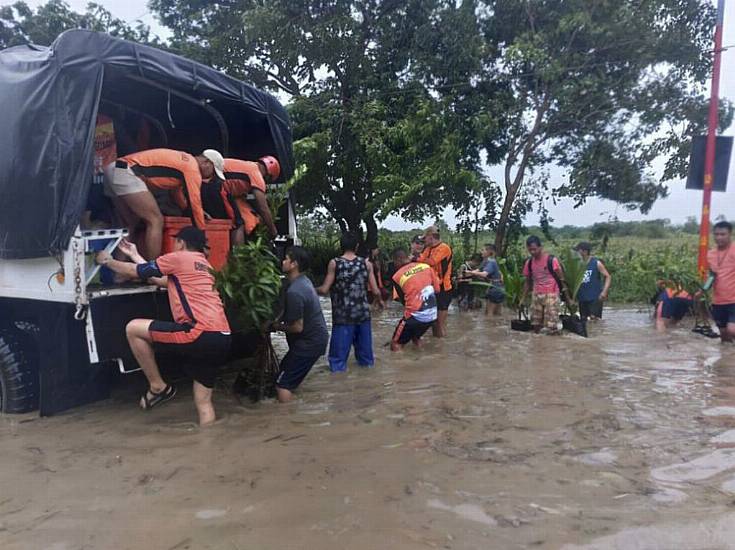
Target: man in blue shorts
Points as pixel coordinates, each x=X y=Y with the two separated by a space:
x=303 y=322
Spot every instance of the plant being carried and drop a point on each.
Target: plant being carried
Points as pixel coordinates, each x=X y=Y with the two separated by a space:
x=250 y=284
x=574 y=269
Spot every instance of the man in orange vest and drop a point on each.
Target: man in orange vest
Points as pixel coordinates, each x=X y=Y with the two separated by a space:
x=243 y=177
x=130 y=179
x=438 y=255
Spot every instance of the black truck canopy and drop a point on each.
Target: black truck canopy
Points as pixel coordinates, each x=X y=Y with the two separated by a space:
x=50 y=98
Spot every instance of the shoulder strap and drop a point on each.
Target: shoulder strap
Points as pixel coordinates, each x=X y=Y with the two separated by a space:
x=529 y=263
x=550 y=267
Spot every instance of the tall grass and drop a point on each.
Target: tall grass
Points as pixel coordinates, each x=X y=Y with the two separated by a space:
x=635 y=263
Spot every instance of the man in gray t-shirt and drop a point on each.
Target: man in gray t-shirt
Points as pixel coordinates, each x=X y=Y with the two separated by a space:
x=304 y=325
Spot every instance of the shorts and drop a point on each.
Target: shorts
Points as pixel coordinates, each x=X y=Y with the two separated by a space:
x=120 y=181
x=294 y=369
x=723 y=314
x=495 y=295
x=590 y=309
x=409 y=330
x=545 y=311
x=675 y=308
x=200 y=353
x=443 y=299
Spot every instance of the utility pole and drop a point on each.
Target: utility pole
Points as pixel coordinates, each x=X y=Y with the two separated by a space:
x=709 y=157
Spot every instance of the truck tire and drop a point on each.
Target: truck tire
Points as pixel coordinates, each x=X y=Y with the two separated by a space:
x=19 y=383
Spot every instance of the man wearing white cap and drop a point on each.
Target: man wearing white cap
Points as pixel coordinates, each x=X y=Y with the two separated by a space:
x=129 y=180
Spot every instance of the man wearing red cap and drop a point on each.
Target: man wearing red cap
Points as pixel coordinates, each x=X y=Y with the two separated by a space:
x=243 y=177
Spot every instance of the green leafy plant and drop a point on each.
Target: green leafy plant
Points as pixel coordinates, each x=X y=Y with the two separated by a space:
x=514 y=281
x=250 y=284
x=574 y=270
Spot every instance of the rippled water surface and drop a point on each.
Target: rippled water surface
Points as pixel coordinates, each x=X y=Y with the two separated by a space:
x=487 y=439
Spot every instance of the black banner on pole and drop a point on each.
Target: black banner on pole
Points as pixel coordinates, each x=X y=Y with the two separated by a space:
x=723 y=150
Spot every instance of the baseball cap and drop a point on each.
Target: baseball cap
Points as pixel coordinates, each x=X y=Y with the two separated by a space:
x=216 y=158
x=418 y=239
x=194 y=238
x=431 y=230
x=587 y=247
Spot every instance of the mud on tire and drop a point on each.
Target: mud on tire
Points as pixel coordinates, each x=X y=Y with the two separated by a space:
x=19 y=385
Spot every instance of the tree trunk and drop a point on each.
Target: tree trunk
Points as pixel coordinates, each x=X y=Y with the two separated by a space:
x=502 y=229
x=530 y=142
x=512 y=186
x=371 y=239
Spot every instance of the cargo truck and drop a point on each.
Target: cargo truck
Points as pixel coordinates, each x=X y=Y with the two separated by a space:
x=62 y=337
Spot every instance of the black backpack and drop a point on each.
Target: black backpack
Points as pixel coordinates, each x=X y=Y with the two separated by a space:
x=550 y=267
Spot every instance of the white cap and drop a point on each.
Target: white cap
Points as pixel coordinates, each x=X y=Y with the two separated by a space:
x=218 y=160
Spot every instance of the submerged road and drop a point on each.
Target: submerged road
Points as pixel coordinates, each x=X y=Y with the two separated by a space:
x=487 y=439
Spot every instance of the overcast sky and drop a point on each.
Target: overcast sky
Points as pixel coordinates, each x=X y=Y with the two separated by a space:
x=680 y=203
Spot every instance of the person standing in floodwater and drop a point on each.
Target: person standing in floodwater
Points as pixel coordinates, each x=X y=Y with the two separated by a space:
x=592 y=292
x=721 y=260
x=415 y=286
x=303 y=322
x=347 y=281
x=490 y=272
x=543 y=275
x=438 y=255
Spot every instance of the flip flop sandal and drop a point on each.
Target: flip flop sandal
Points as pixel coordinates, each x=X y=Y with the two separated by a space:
x=166 y=394
x=709 y=333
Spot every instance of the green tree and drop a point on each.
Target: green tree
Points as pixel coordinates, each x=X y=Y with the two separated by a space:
x=601 y=88
x=362 y=78
x=19 y=24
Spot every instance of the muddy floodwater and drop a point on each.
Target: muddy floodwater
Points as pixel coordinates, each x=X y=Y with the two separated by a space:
x=487 y=439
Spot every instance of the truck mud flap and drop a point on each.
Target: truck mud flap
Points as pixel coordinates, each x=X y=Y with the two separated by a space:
x=66 y=377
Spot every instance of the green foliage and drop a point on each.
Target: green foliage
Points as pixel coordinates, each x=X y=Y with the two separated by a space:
x=574 y=270
x=321 y=250
x=363 y=79
x=514 y=281
x=250 y=282
x=636 y=264
x=635 y=261
x=19 y=24
x=278 y=196
x=602 y=89
x=401 y=104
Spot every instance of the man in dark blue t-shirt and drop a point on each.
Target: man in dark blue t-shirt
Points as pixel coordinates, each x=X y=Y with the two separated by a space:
x=303 y=322
x=593 y=292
